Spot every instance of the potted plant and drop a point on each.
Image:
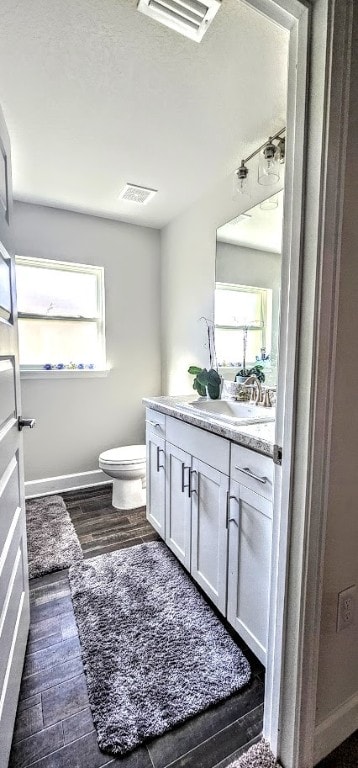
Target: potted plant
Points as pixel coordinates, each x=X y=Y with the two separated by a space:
x=256 y=370
x=206 y=382
x=244 y=372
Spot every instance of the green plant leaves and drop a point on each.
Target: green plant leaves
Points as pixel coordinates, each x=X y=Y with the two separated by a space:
x=256 y=370
x=199 y=388
x=206 y=381
x=213 y=377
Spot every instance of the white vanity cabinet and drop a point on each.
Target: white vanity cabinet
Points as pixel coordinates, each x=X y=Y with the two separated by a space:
x=178 y=503
x=155 y=473
x=250 y=532
x=211 y=501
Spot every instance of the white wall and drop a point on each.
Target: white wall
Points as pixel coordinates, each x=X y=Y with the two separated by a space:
x=338 y=657
x=261 y=269
x=77 y=419
x=188 y=279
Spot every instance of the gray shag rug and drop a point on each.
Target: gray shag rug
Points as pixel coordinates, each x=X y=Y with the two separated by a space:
x=52 y=542
x=258 y=756
x=153 y=650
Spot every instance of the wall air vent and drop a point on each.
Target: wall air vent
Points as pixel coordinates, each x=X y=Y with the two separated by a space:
x=240 y=218
x=189 y=17
x=132 y=193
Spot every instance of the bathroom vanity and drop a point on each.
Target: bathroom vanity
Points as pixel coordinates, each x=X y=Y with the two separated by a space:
x=209 y=496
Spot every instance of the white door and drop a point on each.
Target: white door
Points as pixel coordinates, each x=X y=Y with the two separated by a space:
x=156 y=481
x=250 y=534
x=209 y=494
x=14 y=593
x=178 y=503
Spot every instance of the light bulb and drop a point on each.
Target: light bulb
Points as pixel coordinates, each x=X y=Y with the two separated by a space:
x=240 y=180
x=268 y=172
x=281 y=150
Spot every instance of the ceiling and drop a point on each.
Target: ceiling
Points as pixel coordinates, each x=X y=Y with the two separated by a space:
x=259 y=228
x=96 y=94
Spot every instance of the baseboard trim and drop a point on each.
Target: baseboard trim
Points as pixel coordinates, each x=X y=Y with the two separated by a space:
x=340 y=724
x=50 y=485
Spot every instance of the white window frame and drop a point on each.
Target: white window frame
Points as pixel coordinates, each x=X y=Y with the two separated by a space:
x=37 y=370
x=266 y=313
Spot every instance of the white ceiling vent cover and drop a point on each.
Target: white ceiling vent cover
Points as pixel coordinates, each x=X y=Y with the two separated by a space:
x=189 y=17
x=132 y=193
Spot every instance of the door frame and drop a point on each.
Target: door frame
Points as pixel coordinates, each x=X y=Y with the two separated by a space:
x=320 y=39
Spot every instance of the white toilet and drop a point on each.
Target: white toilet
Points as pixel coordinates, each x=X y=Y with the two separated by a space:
x=127 y=467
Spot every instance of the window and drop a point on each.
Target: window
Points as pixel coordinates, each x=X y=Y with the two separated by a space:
x=241 y=308
x=61 y=314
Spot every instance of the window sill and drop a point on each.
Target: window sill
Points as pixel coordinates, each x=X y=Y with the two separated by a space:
x=65 y=373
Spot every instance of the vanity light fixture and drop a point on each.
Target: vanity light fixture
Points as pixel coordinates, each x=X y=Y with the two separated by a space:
x=271 y=156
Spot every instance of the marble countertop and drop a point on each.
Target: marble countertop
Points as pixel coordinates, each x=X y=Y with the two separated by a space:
x=257 y=436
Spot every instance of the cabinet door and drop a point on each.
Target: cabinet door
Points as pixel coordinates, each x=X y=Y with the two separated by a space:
x=209 y=532
x=178 y=503
x=156 y=481
x=250 y=530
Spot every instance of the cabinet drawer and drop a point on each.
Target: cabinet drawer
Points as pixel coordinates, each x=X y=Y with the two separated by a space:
x=252 y=470
x=209 y=448
x=155 y=421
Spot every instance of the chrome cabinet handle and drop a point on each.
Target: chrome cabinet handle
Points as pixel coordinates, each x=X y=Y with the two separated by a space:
x=159 y=465
x=21 y=423
x=191 y=490
x=153 y=423
x=228 y=518
x=247 y=471
x=183 y=483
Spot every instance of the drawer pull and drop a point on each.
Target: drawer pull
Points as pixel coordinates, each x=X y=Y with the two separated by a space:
x=153 y=423
x=247 y=471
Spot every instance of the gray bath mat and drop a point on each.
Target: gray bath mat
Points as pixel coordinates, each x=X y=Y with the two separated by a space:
x=52 y=542
x=153 y=650
x=258 y=756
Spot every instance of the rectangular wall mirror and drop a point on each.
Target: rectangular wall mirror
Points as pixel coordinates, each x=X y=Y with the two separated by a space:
x=247 y=289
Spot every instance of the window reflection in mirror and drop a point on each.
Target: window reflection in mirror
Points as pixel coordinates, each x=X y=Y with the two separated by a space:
x=247 y=289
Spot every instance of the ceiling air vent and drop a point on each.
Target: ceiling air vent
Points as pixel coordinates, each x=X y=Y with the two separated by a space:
x=189 y=17
x=132 y=193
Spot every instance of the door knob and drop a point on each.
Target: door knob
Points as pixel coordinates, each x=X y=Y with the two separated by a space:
x=21 y=423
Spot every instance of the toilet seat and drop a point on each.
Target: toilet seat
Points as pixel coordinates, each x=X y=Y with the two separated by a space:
x=129 y=454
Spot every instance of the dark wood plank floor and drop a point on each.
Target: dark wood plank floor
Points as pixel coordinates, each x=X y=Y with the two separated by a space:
x=54 y=727
x=345 y=756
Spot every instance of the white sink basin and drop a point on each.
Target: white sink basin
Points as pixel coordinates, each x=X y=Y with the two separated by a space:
x=238 y=413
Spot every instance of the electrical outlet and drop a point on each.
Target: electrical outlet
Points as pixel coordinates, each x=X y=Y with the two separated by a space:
x=346 y=608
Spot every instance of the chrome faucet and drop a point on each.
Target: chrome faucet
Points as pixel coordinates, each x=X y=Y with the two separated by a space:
x=254 y=380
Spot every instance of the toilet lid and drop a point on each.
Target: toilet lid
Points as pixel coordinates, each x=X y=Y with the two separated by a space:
x=127 y=454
